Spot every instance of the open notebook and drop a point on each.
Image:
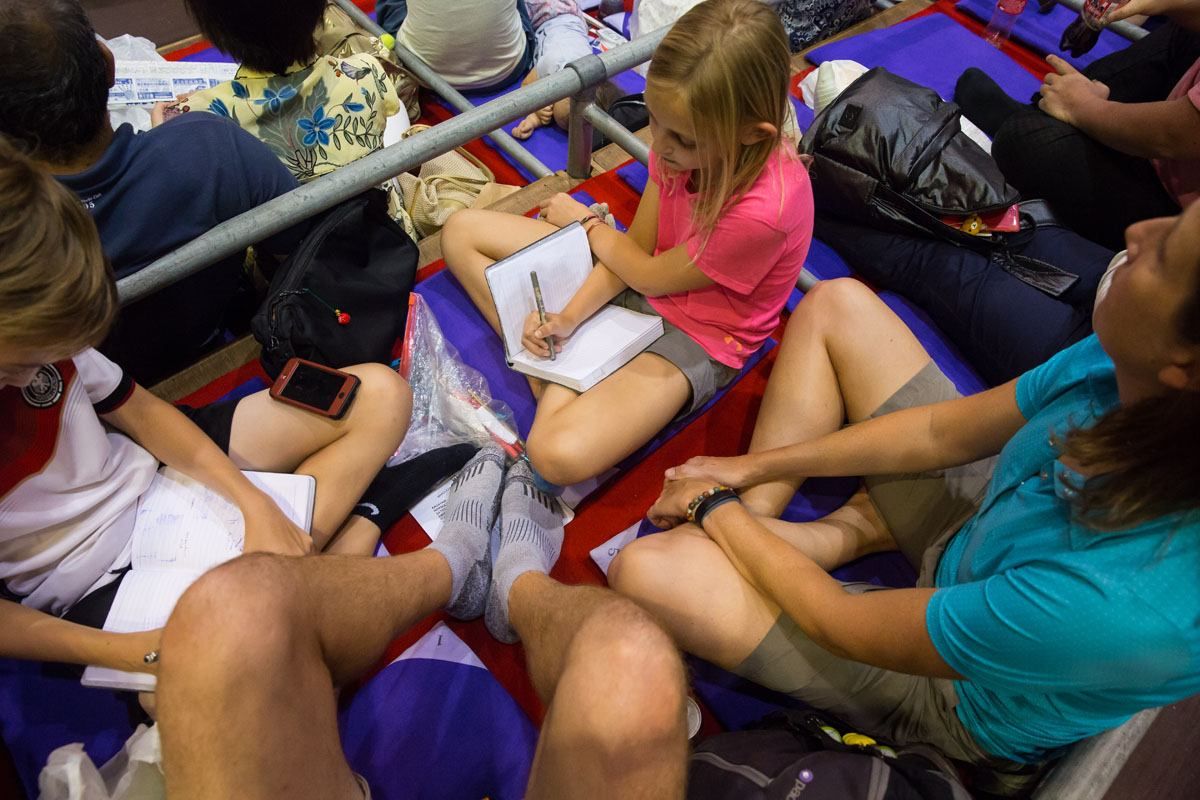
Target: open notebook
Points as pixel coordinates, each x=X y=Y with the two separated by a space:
x=600 y=346
x=182 y=530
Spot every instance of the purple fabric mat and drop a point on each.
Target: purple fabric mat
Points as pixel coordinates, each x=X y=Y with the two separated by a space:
x=1041 y=32
x=932 y=51
x=477 y=345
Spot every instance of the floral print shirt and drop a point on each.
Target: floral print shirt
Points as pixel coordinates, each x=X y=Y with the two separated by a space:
x=315 y=117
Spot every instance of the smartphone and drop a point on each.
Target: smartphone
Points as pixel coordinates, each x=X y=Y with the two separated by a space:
x=315 y=387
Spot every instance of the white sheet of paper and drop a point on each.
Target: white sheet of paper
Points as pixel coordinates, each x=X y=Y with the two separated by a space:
x=605 y=553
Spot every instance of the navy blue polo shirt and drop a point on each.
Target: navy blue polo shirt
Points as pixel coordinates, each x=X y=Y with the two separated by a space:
x=152 y=192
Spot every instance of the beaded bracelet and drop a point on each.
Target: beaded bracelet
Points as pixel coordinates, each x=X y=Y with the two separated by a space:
x=706 y=501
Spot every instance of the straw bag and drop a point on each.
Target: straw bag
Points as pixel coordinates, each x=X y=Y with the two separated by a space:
x=445 y=184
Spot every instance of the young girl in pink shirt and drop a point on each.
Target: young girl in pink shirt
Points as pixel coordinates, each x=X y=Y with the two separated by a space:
x=715 y=248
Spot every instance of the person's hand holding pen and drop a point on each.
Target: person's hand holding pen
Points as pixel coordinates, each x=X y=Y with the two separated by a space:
x=536 y=333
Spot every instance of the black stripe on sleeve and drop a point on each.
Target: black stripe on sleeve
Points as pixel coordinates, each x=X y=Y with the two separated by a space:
x=117 y=397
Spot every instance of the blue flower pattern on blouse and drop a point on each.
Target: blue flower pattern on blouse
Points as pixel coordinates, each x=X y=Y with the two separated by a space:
x=316 y=130
x=315 y=117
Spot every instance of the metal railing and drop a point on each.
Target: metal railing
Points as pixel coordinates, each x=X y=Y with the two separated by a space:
x=577 y=80
x=1124 y=28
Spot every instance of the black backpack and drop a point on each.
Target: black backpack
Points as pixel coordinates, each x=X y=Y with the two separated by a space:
x=891 y=154
x=802 y=755
x=341 y=297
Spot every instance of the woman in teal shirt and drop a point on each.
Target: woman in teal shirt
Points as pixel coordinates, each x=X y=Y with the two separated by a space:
x=1053 y=521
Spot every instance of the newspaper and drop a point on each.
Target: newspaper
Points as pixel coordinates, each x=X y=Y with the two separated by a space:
x=144 y=83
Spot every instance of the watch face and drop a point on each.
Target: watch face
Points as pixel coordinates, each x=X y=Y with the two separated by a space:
x=45 y=389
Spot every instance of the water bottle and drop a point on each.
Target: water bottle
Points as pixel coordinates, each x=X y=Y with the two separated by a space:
x=1046 y=6
x=1082 y=34
x=1003 y=18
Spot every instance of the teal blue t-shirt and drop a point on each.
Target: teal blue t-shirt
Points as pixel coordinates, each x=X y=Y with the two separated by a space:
x=1061 y=631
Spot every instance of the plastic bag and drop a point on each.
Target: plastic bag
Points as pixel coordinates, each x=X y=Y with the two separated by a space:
x=135 y=773
x=452 y=403
x=132 y=48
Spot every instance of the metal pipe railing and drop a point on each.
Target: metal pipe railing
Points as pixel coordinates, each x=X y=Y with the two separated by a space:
x=1123 y=28
x=282 y=212
x=617 y=133
x=426 y=75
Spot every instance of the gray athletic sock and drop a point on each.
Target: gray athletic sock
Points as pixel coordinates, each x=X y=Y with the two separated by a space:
x=466 y=532
x=531 y=537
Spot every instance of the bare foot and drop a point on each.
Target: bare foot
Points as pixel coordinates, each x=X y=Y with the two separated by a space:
x=531 y=123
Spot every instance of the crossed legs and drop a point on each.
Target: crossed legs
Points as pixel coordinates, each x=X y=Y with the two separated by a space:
x=574 y=436
x=343 y=454
x=254 y=650
x=843 y=355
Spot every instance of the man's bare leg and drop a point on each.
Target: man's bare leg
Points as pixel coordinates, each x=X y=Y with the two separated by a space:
x=250 y=660
x=615 y=687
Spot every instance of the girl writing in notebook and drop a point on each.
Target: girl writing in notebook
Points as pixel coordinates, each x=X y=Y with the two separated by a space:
x=715 y=248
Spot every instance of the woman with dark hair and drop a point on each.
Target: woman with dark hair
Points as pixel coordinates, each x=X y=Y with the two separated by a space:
x=315 y=91
x=1054 y=520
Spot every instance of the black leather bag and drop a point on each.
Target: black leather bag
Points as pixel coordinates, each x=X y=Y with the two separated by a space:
x=891 y=154
x=341 y=297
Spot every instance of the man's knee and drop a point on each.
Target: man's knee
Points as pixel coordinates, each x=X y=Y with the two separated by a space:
x=238 y=616
x=630 y=680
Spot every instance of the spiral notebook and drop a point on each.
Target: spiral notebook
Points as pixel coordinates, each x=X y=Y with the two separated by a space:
x=600 y=346
x=182 y=530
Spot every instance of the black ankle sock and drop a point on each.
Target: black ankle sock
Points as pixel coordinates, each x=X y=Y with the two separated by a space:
x=396 y=489
x=983 y=101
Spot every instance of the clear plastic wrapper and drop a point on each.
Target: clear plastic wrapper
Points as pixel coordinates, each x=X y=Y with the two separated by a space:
x=452 y=403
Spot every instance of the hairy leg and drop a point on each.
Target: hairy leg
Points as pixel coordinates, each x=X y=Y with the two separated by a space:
x=615 y=687
x=343 y=455
x=843 y=355
x=578 y=436
x=251 y=657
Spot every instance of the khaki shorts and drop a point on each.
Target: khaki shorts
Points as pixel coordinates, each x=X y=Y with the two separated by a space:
x=923 y=511
x=704 y=374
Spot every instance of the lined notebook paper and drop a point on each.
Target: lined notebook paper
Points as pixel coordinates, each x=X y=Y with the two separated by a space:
x=600 y=346
x=182 y=530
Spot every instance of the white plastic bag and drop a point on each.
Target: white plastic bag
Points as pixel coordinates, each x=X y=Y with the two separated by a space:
x=452 y=403
x=132 y=48
x=135 y=773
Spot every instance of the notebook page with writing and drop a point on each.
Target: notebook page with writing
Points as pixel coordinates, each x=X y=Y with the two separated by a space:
x=562 y=261
x=181 y=523
x=609 y=331
x=181 y=530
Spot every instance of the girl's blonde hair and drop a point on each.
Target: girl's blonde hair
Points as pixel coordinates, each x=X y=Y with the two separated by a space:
x=729 y=61
x=56 y=289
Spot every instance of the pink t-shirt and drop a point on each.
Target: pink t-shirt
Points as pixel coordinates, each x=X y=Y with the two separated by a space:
x=1182 y=177
x=753 y=256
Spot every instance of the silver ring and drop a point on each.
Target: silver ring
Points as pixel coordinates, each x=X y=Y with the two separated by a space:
x=151 y=657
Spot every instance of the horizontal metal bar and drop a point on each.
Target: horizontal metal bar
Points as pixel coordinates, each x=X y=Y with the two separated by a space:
x=426 y=75
x=807 y=280
x=1123 y=28
x=234 y=235
x=616 y=132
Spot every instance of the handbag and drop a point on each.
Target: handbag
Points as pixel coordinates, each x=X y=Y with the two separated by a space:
x=341 y=297
x=892 y=155
x=445 y=184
